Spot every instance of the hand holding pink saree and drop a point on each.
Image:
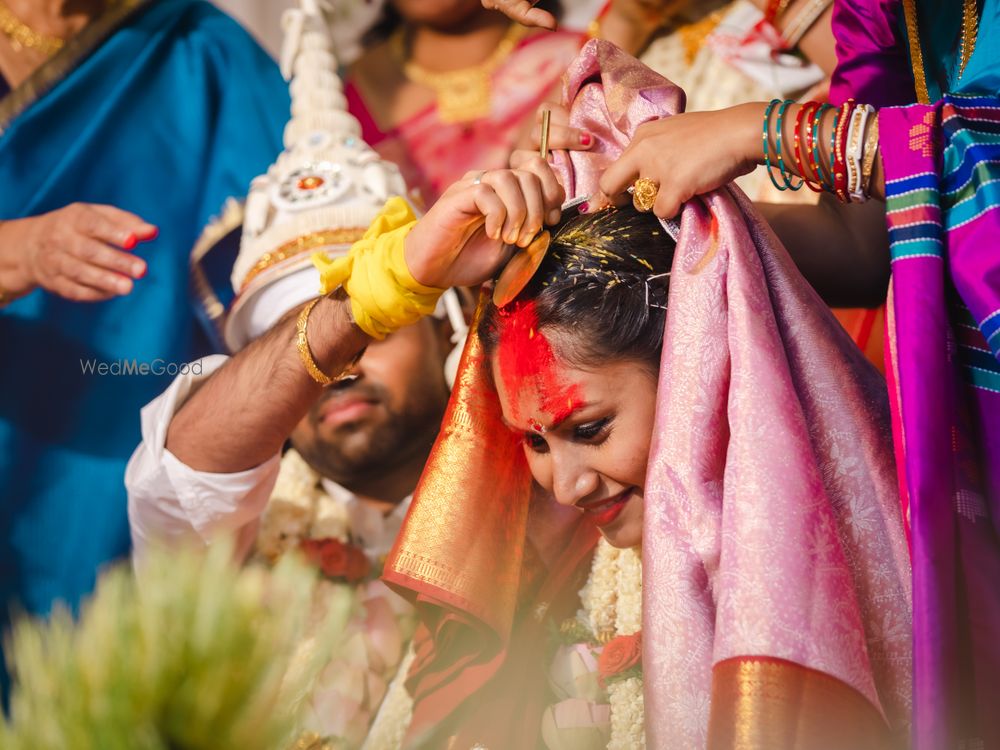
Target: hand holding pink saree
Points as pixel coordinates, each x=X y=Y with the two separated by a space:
x=776 y=579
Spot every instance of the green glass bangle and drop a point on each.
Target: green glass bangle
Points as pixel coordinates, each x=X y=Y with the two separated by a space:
x=833 y=146
x=767 y=145
x=777 y=140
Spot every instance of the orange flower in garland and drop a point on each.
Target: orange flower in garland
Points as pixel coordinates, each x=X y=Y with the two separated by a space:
x=343 y=562
x=620 y=656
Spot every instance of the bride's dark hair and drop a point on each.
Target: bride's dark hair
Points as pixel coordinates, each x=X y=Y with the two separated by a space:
x=600 y=294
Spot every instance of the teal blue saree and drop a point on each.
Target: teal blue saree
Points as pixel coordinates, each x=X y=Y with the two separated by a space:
x=165 y=108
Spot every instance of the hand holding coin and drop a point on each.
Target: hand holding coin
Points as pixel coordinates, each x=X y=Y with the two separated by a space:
x=523 y=265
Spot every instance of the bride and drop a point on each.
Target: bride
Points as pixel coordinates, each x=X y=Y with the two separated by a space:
x=691 y=403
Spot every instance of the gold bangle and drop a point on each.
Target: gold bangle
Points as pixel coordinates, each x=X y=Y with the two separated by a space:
x=871 y=151
x=302 y=342
x=305 y=354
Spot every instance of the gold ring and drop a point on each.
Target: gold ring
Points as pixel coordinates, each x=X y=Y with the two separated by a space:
x=644 y=192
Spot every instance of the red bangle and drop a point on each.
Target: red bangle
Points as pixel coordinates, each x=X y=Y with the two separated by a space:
x=840 y=162
x=811 y=147
x=804 y=110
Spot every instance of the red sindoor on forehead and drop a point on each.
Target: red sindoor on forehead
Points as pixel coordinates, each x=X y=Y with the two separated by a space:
x=526 y=361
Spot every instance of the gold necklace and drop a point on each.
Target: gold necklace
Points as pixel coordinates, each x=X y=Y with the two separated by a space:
x=22 y=36
x=970 y=32
x=695 y=34
x=462 y=95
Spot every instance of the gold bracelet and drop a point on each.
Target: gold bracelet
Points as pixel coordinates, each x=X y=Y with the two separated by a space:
x=871 y=151
x=305 y=354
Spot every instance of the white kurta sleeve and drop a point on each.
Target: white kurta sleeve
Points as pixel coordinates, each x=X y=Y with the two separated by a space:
x=169 y=501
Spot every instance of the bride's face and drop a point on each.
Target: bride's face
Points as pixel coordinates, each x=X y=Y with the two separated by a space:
x=586 y=433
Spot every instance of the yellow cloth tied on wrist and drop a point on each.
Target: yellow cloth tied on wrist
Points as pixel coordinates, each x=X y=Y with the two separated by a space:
x=384 y=295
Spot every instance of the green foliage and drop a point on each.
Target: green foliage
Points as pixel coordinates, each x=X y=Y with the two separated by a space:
x=194 y=654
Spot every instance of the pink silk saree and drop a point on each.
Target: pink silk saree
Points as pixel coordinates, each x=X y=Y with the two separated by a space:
x=776 y=576
x=776 y=579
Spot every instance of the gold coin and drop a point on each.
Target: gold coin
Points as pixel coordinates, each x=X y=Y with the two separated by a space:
x=520 y=269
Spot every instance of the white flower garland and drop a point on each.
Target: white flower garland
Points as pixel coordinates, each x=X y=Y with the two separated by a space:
x=300 y=509
x=612 y=605
x=388 y=730
x=600 y=594
x=290 y=509
x=627 y=715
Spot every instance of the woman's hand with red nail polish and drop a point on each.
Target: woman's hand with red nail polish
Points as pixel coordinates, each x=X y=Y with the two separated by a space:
x=79 y=252
x=561 y=135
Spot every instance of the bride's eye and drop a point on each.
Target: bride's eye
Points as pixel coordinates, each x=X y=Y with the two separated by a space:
x=535 y=442
x=592 y=430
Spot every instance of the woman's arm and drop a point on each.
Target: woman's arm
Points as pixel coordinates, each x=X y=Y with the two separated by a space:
x=841 y=248
x=696 y=152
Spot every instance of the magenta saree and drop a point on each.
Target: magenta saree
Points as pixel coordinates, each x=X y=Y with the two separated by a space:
x=943 y=337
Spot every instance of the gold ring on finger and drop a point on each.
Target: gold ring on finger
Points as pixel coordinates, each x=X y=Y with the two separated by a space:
x=644 y=192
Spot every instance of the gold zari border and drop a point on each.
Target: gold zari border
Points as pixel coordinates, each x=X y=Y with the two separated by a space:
x=772 y=704
x=300 y=245
x=452 y=506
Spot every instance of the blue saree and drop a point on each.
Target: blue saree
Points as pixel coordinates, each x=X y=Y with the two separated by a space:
x=165 y=108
